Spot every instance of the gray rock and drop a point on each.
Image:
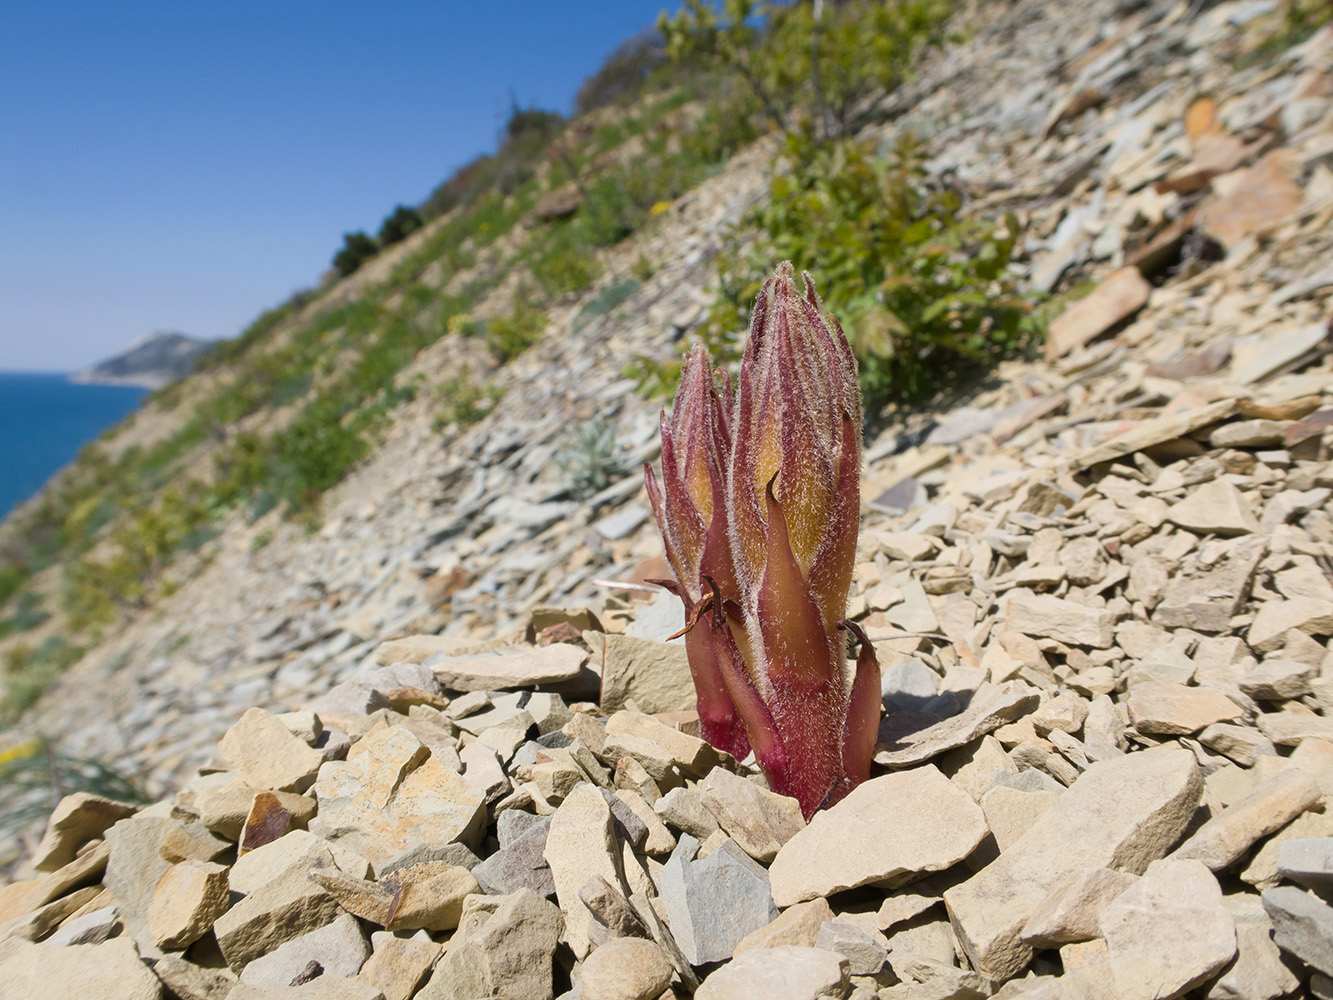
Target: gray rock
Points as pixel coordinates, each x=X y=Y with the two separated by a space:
x=711 y=904
x=1257 y=973
x=790 y=972
x=340 y=948
x=1302 y=925
x=683 y=808
x=865 y=955
x=521 y=864
x=133 y=870
x=1308 y=863
x=909 y=685
x=91 y=928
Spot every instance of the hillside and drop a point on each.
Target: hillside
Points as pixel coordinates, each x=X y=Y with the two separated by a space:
x=1111 y=551
x=151 y=361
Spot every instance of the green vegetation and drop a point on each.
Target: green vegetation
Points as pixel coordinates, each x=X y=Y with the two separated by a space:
x=357 y=248
x=594 y=460
x=36 y=776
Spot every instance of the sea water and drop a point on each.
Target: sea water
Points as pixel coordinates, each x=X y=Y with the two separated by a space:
x=44 y=421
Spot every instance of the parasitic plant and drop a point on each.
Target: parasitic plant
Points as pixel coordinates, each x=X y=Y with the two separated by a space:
x=759 y=508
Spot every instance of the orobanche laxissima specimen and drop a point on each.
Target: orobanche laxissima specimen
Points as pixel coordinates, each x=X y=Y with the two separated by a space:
x=759 y=507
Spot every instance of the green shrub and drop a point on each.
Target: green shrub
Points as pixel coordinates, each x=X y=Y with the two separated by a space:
x=398 y=225
x=605 y=301
x=357 y=248
x=510 y=335
x=594 y=460
x=461 y=400
x=622 y=73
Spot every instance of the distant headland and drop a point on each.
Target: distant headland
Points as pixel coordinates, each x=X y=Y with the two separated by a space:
x=150 y=361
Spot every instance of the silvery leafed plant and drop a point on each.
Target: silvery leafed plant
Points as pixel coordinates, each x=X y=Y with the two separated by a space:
x=759 y=507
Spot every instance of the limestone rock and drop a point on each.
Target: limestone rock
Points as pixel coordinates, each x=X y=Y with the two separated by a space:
x=988 y=711
x=503 y=947
x=1307 y=614
x=711 y=904
x=683 y=808
x=520 y=864
x=1178 y=710
x=891 y=828
x=758 y=820
x=1215 y=508
x=798 y=925
x=657 y=746
x=654 y=675
x=110 y=969
x=265 y=755
x=1222 y=841
x=398 y=965
x=188 y=898
x=133 y=869
x=1167 y=933
x=393 y=802
x=1060 y=619
x=77 y=819
x=625 y=969
x=580 y=845
x=285 y=908
x=511 y=668
x=865 y=953
x=1073 y=907
x=339 y=947
x=1122 y=813
x=1257 y=973
x=1302 y=925
x=255 y=870
x=788 y=972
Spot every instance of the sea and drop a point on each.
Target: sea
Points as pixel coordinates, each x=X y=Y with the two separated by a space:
x=44 y=420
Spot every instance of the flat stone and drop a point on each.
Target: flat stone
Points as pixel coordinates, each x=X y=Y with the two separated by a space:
x=798 y=925
x=1159 y=430
x=1277 y=680
x=711 y=904
x=189 y=981
x=1306 y=614
x=1167 y=933
x=398 y=966
x=110 y=969
x=1011 y=812
x=657 y=838
x=758 y=820
x=654 y=675
x=134 y=868
x=1119 y=295
x=1261 y=870
x=93 y=927
x=264 y=864
x=1056 y=618
x=1203 y=595
x=889 y=829
x=987 y=711
x=339 y=947
x=319 y=988
x=76 y=819
x=1248 y=434
x=514 y=667
x=504 y=947
x=429 y=896
x=789 y=972
x=225 y=809
x=1243 y=744
x=1288 y=729
x=1122 y=813
x=1214 y=508
x=285 y=908
x=625 y=969
x=393 y=802
x=1178 y=710
x=1263 y=198
x=265 y=755
x=1257 y=972
x=657 y=746
x=1302 y=925
x=865 y=953
x=1308 y=863
x=1073 y=907
x=580 y=845
x=520 y=864
x=188 y=898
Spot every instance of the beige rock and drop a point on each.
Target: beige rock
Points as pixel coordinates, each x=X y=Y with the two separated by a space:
x=264 y=864
x=1258 y=972
x=398 y=966
x=654 y=675
x=1119 y=296
x=988 y=710
x=77 y=819
x=1239 y=743
x=224 y=809
x=1214 y=508
x=659 y=840
x=1168 y=427
x=503 y=947
x=889 y=829
x=1065 y=712
x=339 y=947
x=188 y=898
x=429 y=896
x=265 y=755
x=1056 y=618
x=657 y=746
x=1177 y=710
x=391 y=800
x=1122 y=813
x=683 y=808
x=581 y=845
x=1168 y=933
x=1261 y=870
x=134 y=867
x=971 y=767
x=1071 y=910
x=190 y=981
x=110 y=969
x=1288 y=729
x=796 y=925
x=625 y=968
x=1011 y=812
x=327 y=987
x=515 y=667
x=1277 y=680
x=285 y=908
x=785 y=973
x=758 y=820
x=1308 y=614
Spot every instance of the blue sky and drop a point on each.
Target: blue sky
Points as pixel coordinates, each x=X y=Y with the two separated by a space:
x=187 y=165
